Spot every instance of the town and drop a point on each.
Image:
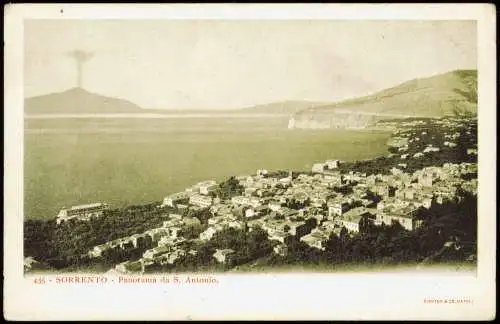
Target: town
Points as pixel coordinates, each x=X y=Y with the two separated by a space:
x=332 y=200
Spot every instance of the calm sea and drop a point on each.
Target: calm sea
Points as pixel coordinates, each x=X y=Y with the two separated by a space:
x=125 y=161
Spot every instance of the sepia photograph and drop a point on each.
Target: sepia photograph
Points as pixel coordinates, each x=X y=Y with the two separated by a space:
x=169 y=151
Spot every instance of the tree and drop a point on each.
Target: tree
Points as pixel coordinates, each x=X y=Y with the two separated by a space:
x=334 y=247
x=365 y=224
x=229 y=188
x=203 y=214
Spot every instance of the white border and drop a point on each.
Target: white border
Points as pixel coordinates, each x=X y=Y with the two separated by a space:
x=291 y=296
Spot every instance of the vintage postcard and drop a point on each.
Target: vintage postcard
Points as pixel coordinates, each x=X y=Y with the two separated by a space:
x=249 y=162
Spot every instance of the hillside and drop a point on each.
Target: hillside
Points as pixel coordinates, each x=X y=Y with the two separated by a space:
x=448 y=94
x=77 y=101
x=435 y=96
x=283 y=107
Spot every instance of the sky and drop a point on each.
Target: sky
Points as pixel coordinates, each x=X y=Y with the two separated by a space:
x=230 y=64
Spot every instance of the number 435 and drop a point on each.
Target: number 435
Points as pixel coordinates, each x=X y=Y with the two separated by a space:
x=39 y=281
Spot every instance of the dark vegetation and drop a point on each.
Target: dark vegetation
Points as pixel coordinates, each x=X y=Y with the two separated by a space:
x=229 y=188
x=433 y=134
x=64 y=245
x=390 y=245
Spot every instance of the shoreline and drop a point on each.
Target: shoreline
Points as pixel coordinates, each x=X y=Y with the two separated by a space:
x=152 y=116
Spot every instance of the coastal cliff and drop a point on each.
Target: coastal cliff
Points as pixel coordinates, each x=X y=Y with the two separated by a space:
x=329 y=120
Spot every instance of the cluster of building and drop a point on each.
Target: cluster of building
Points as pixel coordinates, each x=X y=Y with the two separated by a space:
x=328 y=165
x=323 y=212
x=377 y=199
x=168 y=242
x=308 y=207
x=200 y=195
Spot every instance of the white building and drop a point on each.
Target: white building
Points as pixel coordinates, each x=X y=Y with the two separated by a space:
x=449 y=144
x=431 y=149
x=255 y=202
x=171 y=257
x=332 y=164
x=207 y=187
x=285 y=181
x=337 y=209
x=281 y=249
x=201 y=200
x=319 y=167
x=81 y=212
x=171 y=241
x=250 y=212
x=262 y=172
x=316 y=239
x=279 y=236
x=240 y=200
x=472 y=151
x=425 y=180
x=173 y=233
x=97 y=250
x=174 y=199
x=274 y=205
x=351 y=224
x=129 y=267
x=407 y=221
x=156 y=252
x=157 y=233
x=250 y=190
x=208 y=234
x=222 y=256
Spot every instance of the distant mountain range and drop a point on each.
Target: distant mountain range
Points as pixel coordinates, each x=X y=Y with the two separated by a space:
x=434 y=96
x=78 y=101
x=449 y=94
